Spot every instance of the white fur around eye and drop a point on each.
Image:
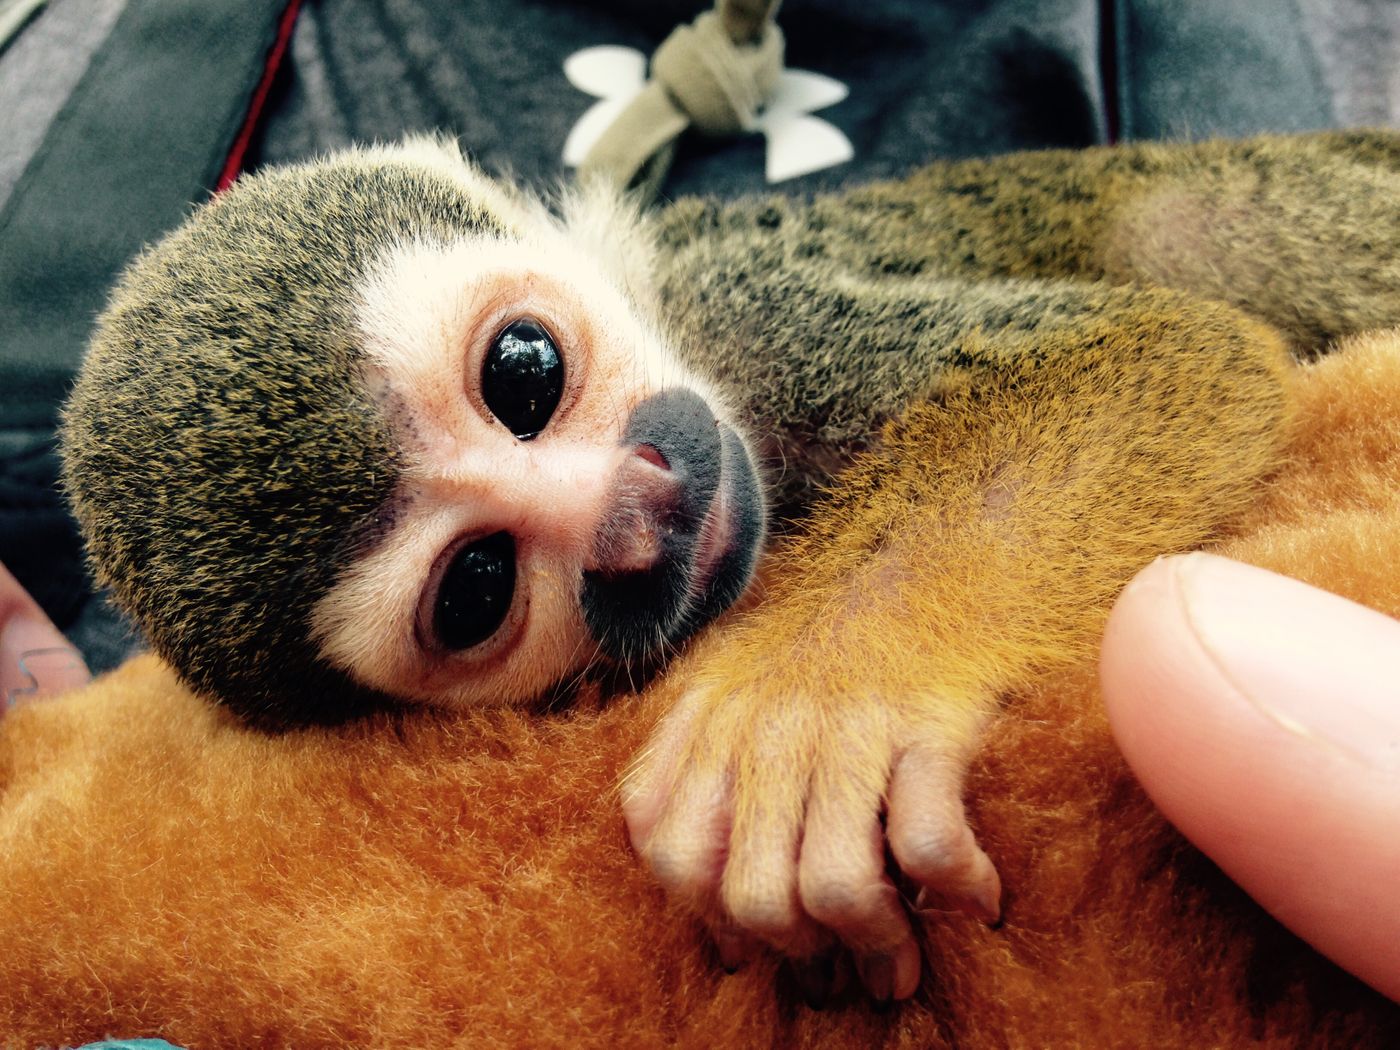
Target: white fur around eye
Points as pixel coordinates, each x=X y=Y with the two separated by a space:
x=366 y=624
x=423 y=307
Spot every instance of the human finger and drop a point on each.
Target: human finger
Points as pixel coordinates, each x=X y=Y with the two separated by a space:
x=1263 y=718
x=35 y=658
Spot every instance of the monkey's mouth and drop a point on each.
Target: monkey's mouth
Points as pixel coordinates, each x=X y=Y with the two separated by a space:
x=706 y=563
x=718 y=534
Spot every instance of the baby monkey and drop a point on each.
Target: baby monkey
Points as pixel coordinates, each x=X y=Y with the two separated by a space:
x=377 y=428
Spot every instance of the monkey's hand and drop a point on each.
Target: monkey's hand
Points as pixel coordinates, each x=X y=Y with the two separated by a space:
x=980 y=544
x=771 y=789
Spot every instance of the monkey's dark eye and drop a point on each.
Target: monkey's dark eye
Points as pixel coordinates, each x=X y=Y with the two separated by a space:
x=474 y=595
x=522 y=378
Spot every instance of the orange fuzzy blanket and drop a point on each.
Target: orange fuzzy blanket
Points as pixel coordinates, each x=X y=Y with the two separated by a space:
x=465 y=880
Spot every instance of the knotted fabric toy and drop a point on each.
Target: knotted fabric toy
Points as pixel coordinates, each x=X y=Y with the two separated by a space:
x=714 y=75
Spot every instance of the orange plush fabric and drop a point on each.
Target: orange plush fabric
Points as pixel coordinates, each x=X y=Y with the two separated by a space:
x=465 y=881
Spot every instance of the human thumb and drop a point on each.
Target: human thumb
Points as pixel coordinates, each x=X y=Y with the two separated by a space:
x=35 y=659
x=1263 y=717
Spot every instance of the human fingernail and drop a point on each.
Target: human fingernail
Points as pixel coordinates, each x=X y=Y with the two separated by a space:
x=1316 y=664
x=815 y=978
x=37 y=661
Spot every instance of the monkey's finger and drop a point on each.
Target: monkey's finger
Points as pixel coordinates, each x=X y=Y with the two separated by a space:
x=759 y=892
x=647 y=785
x=733 y=946
x=843 y=885
x=759 y=888
x=687 y=846
x=927 y=830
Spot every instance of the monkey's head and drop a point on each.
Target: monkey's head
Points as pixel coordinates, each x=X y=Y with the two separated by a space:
x=377 y=426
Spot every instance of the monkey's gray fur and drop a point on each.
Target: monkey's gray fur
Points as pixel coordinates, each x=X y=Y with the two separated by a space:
x=219 y=447
x=224 y=461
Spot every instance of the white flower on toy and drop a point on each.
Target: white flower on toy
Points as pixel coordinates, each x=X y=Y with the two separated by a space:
x=797 y=144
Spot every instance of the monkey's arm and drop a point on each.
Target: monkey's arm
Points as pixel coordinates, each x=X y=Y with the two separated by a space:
x=979 y=545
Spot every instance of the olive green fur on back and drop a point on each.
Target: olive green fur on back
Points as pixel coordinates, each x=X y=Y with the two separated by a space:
x=1243 y=222
x=220 y=450
x=840 y=311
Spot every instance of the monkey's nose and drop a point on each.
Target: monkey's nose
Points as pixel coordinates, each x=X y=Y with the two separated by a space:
x=632 y=538
x=634 y=546
x=653 y=455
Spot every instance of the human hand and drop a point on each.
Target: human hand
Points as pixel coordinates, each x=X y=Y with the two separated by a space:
x=35 y=658
x=1263 y=718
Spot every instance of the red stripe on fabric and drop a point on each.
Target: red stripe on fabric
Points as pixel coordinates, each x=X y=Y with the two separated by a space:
x=234 y=162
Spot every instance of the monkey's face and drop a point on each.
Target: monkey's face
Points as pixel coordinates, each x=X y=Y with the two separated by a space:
x=567 y=492
x=376 y=425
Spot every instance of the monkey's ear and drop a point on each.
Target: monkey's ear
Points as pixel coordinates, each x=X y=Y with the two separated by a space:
x=437 y=150
x=441 y=154
x=440 y=146
x=608 y=225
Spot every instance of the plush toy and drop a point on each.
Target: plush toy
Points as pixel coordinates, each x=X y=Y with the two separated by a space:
x=465 y=879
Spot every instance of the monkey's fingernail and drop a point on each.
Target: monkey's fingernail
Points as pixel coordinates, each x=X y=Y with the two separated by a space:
x=927 y=900
x=877 y=974
x=941 y=903
x=987 y=904
x=907 y=963
x=732 y=948
x=983 y=903
x=816 y=978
